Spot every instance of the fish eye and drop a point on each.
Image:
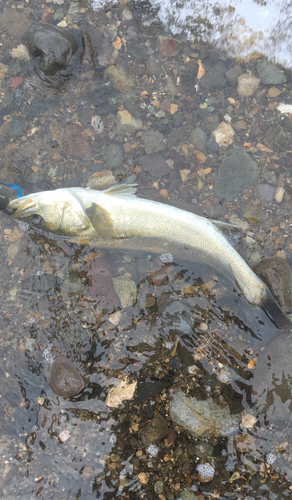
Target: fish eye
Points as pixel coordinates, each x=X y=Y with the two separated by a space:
x=36 y=220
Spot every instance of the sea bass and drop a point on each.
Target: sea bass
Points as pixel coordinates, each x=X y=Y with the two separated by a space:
x=117 y=218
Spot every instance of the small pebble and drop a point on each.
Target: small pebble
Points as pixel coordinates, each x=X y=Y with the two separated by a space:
x=279 y=194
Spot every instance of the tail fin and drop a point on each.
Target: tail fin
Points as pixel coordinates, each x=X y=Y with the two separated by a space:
x=274 y=312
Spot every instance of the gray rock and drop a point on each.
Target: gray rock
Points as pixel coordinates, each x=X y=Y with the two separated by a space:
x=275 y=136
x=214 y=79
x=139 y=52
x=253 y=213
x=126 y=290
x=238 y=170
x=264 y=192
x=187 y=495
x=53 y=45
x=155 y=431
x=158 y=487
x=203 y=449
x=153 y=141
x=212 y=144
x=202 y=418
x=198 y=138
x=114 y=155
x=18 y=127
x=276 y=273
x=270 y=74
x=232 y=76
x=155 y=164
x=210 y=123
x=110 y=32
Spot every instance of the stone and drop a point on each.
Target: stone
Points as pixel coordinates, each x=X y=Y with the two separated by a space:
x=247 y=85
x=237 y=171
x=63 y=374
x=232 y=75
x=274 y=92
x=203 y=449
x=214 y=79
x=110 y=32
x=240 y=125
x=253 y=213
x=126 y=290
x=280 y=191
x=18 y=127
x=155 y=164
x=224 y=134
x=158 y=487
x=170 y=47
x=264 y=192
x=139 y=52
x=198 y=138
x=276 y=273
x=270 y=74
x=121 y=76
x=127 y=122
x=114 y=155
x=13 y=22
x=123 y=392
x=275 y=136
x=155 y=431
x=101 y=180
x=20 y=52
x=187 y=495
x=52 y=45
x=202 y=418
x=153 y=141
x=74 y=143
x=209 y=123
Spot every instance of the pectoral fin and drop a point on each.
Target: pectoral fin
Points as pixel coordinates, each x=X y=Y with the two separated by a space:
x=101 y=221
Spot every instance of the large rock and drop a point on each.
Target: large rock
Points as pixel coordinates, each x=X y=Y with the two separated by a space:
x=276 y=273
x=270 y=74
x=238 y=171
x=247 y=85
x=215 y=79
x=275 y=136
x=155 y=431
x=202 y=418
x=54 y=46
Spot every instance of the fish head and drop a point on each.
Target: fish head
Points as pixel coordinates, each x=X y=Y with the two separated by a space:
x=57 y=212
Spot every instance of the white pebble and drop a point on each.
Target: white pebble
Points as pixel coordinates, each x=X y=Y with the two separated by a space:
x=271 y=458
x=279 y=194
x=153 y=450
x=166 y=258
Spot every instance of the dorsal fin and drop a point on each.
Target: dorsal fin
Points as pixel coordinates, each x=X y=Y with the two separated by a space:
x=231 y=232
x=126 y=188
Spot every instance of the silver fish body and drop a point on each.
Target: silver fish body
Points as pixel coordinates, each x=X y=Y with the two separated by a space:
x=116 y=218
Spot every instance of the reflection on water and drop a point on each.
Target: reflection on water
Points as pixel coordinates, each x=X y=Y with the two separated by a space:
x=77 y=322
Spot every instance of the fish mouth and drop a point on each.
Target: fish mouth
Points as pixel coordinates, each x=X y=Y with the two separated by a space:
x=20 y=205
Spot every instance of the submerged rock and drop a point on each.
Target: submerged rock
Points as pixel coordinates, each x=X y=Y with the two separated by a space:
x=53 y=46
x=238 y=170
x=63 y=371
x=270 y=74
x=202 y=418
x=155 y=431
x=276 y=273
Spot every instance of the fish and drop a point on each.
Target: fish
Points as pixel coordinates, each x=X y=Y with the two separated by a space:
x=117 y=218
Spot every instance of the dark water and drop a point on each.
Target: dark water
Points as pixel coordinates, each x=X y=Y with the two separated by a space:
x=189 y=328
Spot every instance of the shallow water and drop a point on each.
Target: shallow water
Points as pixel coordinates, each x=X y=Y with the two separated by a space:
x=179 y=334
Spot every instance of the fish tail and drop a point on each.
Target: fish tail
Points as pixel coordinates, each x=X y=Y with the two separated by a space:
x=274 y=312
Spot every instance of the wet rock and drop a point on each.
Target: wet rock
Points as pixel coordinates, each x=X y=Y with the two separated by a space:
x=240 y=125
x=105 y=58
x=153 y=141
x=149 y=389
x=155 y=164
x=279 y=194
x=155 y=431
x=62 y=371
x=53 y=46
x=13 y=22
x=247 y=85
x=121 y=76
x=126 y=290
x=224 y=134
x=198 y=138
x=20 y=52
x=232 y=76
x=238 y=170
x=110 y=32
x=212 y=144
x=71 y=285
x=170 y=47
x=270 y=74
x=209 y=123
x=264 y=192
x=100 y=283
x=276 y=273
x=101 y=180
x=202 y=418
x=275 y=136
x=127 y=122
x=214 y=79
x=139 y=52
x=18 y=127
x=114 y=155
x=74 y=144
x=123 y=392
x=253 y=213
x=187 y=495
x=203 y=449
